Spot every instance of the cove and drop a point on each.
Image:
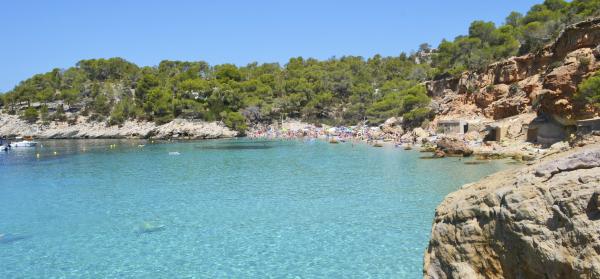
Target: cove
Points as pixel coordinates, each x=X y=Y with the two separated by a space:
x=221 y=209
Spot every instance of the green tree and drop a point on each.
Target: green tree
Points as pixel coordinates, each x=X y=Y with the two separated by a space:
x=227 y=72
x=30 y=115
x=145 y=84
x=235 y=121
x=101 y=105
x=514 y=19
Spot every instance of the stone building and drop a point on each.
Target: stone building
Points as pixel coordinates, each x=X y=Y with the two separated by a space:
x=453 y=127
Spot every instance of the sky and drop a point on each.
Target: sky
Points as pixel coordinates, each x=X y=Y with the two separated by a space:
x=37 y=36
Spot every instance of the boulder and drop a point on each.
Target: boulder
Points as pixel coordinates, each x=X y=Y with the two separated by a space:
x=428 y=147
x=420 y=133
x=392 y=126
x=540 y=221
x=392 y=121
x=453 y=146
x=439 y=154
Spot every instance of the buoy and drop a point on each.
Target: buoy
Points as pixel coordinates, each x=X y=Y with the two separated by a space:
x=37 y=155
x=55 y=153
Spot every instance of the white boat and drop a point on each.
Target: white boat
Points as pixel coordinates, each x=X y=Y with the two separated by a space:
x=25 y=143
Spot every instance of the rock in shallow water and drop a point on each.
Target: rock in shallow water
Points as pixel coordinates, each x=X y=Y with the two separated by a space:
x=542 y=221
x=452 y=146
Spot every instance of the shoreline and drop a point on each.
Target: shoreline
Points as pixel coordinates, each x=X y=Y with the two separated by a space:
x=82 y=128
x=388 y=134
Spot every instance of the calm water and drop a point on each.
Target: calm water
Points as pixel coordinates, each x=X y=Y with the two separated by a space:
x=220 y=209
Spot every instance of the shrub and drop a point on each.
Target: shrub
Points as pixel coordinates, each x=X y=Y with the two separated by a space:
x=59 y=114
x=116 y=118
x=584 y=63
x=417 y=116
x=122 y=111
x=44 y=113
x=30 y=115
x=589 y=90
x=235 y=121
x=163 y=119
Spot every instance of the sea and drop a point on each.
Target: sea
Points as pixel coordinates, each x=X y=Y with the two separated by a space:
x=235 y=208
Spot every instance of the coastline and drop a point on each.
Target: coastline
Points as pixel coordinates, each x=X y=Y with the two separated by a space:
x=424 y=140
x=390 y=134
x=12 y=126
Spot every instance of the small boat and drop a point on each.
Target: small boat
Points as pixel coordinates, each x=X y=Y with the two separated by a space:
x=25 y=143
x=334 y=141
x=378 y=144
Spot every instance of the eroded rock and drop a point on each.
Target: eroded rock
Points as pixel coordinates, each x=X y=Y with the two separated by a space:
x=541 y=221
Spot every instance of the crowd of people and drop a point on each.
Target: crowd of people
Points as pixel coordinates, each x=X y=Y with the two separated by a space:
x=332 y=134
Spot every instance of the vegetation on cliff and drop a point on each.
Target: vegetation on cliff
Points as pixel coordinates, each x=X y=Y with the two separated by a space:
x=519 y=35
x=589 y=90
x=337 y=91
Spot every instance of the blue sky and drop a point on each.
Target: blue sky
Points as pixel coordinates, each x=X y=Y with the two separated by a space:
x=37 y=36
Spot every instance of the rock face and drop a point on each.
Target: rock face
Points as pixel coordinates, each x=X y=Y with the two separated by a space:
x=544 y=82
x=11 y=125
x=542 y=221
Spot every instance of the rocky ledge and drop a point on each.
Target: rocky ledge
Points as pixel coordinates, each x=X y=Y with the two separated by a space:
x=542 y=221
x=11 y=126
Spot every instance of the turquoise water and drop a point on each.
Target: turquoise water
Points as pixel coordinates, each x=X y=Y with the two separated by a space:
x=220 y=209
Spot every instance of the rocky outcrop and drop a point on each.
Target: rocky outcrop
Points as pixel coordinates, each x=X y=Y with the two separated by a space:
x=392 y=126
x=417 y=135
x=541 y=221
x=545 y=81
x=12 y=126
x=452 y=146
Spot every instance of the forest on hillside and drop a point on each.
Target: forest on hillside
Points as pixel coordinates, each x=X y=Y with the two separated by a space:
x=345 y=90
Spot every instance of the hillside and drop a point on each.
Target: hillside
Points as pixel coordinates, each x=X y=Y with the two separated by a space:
x=337 y=91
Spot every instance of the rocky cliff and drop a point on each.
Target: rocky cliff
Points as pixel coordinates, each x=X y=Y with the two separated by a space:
x=545 y=81
x=11 y=126
x=542 y=221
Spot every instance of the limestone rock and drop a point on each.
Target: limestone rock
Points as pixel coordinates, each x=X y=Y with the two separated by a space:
x=11 y=125
x=541 y=221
